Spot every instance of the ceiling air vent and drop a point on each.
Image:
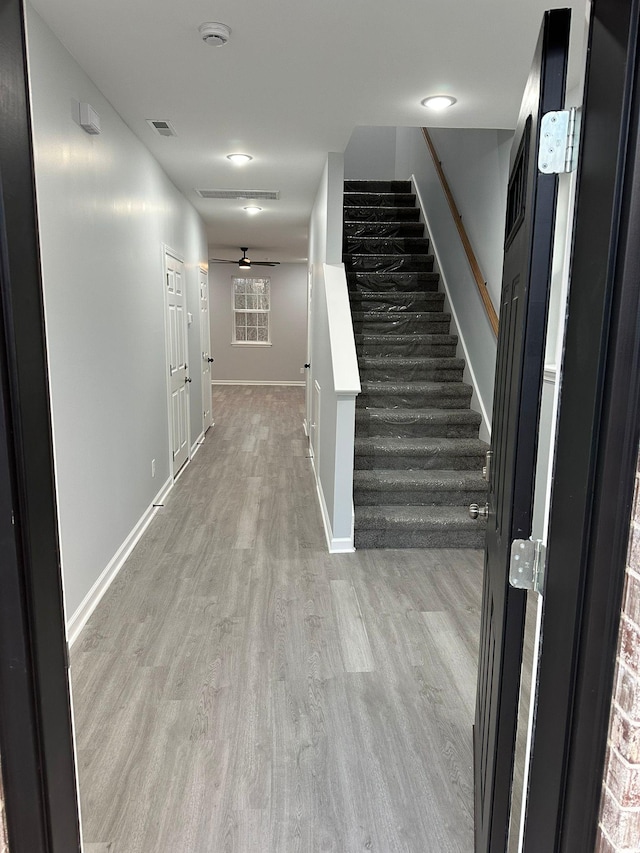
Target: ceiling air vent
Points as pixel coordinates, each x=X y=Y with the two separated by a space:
x=249 y=194
x=161 y=127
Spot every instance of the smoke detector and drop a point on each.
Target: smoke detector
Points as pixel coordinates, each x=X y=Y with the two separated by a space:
x=214 y=34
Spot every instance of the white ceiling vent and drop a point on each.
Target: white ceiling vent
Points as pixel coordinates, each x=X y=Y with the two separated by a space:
x=162 y=127
x=248 y=194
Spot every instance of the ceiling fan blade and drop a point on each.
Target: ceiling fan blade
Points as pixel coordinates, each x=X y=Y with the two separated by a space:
x=221 y=261
x=265 y=263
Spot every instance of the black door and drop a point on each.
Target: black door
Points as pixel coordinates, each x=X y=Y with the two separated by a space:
x=531 y=204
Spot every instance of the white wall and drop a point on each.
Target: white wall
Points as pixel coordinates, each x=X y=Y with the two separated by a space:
x=333 y=359
x=105 y=208
x=479 y=155
x=371 y=154
x=280 y=362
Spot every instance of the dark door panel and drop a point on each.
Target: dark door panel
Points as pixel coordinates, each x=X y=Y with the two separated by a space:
x=531 y=204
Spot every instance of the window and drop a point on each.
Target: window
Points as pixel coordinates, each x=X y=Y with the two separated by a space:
x=251 y=305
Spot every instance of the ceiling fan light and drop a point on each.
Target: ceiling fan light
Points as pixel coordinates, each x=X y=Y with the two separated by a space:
x=239 y=159
x=438 y=102
x=252 y=209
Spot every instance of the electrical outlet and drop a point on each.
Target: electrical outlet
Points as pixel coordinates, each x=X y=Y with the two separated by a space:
x=153 y=467
x=302 y=370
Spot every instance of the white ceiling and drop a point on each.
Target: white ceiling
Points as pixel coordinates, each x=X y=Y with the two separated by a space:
x=294 y=80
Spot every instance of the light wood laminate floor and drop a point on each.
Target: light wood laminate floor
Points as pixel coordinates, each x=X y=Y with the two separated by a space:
x=239 y=689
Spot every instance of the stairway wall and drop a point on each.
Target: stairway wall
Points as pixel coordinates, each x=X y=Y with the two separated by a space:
x=477 y=341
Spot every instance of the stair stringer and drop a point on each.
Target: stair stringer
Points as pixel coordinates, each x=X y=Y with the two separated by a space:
x=478 y=404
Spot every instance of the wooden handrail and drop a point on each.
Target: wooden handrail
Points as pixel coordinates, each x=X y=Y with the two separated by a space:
x=481 y=284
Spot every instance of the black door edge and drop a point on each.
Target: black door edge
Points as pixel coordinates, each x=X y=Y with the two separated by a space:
x=36 y=742
x=598 y=432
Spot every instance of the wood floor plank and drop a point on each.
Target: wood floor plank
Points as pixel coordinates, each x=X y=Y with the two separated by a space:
x=354 y=642
x=239 y=689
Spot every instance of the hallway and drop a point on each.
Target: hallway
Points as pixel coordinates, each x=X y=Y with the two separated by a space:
x=238 y=689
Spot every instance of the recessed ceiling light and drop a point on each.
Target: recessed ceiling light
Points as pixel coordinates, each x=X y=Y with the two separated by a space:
x=239 y=159
x=438 y=102
x=253 y=209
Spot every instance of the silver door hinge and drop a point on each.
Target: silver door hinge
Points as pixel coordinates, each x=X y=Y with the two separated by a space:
x=559 y=136
x=527 y=565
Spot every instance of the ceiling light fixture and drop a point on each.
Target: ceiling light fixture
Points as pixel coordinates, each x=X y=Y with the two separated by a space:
x=252 y=209
x=214 y=34
x=239 y=159
x=438 y=102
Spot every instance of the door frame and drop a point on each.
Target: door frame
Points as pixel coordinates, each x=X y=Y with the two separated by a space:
x=596 y=450
x=168 y=251
x=36 y=737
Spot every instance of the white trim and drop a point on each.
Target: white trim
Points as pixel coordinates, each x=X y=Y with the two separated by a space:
x=91 y=600
x=197 y=444
x=551 y=373
x=305 y=426
x=334 y=545
x=486 y=420
x=254 y=382
x=251 y=343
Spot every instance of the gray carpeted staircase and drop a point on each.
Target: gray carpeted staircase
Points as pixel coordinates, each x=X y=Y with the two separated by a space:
x=418 y=459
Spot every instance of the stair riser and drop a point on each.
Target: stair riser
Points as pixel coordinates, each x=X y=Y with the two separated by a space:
x=410 y=374
x=390 y=497
x=418 y=429
x=419 y=539
x=397 y=302
x=388 y=263
x=437 y=462
x=392 y=287
x=386 y=245
x=383 y=229
x=413 y=401
x=381 y=214
x=356 y=186
x=378 y=200
x=403 y=348
x=386 y=325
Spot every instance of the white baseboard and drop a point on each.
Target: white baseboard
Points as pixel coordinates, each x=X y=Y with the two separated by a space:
x=335 y=545
x=197 y=444
x=253 y=382
x=485 y=427
x=79 y=619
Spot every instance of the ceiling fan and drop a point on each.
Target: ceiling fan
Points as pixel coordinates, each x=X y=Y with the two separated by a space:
x=245 y=263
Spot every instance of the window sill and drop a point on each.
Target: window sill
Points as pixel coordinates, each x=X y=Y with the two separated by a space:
x=251 y=343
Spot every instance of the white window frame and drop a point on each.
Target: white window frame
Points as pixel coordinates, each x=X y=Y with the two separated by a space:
x=252 y=310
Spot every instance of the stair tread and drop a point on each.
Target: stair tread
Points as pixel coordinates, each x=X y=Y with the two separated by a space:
x=427 y=413
x=414 y=361
x=400 y=296
x=406 y=478
x=417 y=517
x=439 y=316
x=412 y=445
x=417 y=387
x=427 y=338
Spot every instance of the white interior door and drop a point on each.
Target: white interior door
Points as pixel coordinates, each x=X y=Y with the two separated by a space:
x=178 y=369
x=205 y=344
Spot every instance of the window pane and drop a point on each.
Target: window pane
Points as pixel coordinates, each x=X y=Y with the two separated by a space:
x=251 y=319
x=262 y=319
x=252 y=334
x=241 y=333
x=240 y=301
x=263 y=335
